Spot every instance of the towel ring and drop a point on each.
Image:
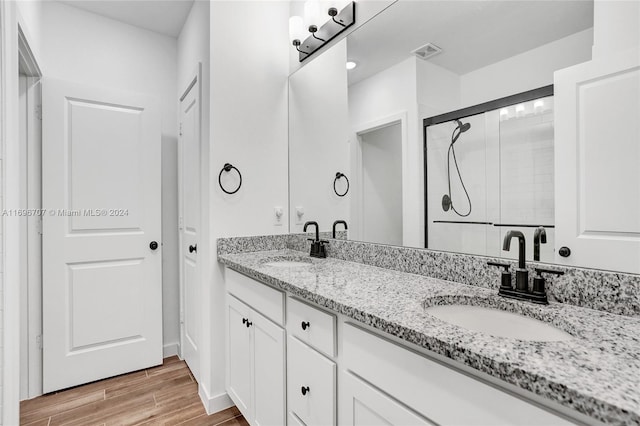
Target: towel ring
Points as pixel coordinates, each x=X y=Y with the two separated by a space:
x=227 y=168
x=338 y=176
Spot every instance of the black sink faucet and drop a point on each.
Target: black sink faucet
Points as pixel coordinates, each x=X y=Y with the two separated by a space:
x=337 y=222
x=307 y=224
x=522 y=276
x=317 y=246
x=539 y=236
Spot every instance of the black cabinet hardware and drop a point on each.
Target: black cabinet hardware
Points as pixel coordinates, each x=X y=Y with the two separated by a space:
x=193 y=248
x=153 y=245
x=305 y=325
x=564 y=251
x=305 y=390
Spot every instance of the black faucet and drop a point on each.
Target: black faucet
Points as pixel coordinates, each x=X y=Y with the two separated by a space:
x=317 y=246
x=522 y=275
x=521 y=292
x=337 y=222
x=539 y=236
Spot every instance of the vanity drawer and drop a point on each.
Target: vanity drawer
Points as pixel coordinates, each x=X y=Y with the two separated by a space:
x=264 y=299
x=312 y=326
x=434 y=390
x=308 y=369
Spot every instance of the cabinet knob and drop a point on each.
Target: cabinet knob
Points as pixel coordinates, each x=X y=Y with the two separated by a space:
x=153 y=245
x=244 y=320
x=564 y=251
x=305 y=390
x=193 y=248
x=249 y=323
x=305 y=325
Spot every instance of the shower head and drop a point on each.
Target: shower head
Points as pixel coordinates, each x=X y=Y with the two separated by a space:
x=463 y=127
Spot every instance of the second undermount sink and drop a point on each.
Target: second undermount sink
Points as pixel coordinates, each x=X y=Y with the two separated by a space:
x=496 y=322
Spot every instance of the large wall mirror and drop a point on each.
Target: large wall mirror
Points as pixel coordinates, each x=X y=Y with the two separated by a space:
x=422 y=59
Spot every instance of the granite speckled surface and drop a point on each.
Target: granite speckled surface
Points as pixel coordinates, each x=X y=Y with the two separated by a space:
x=608 y=291
x=597 y=373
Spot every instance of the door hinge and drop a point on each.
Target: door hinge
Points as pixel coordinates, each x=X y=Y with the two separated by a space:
x=39 y=225
x=180 y=129
x=39 y=341
x=180 y=226
x=38 y=112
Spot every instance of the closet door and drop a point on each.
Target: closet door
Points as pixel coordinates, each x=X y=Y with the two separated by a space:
x=597 y=152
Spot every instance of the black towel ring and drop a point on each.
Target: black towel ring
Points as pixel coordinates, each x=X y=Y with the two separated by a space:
x=227 y=168
x=338 y=176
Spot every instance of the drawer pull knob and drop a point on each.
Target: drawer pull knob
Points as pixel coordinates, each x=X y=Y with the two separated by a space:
x=305 y=325
x=305 y=390
x=249 y=323
x=244 y=320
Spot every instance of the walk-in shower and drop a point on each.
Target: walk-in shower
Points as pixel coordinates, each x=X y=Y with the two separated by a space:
x=496 y=176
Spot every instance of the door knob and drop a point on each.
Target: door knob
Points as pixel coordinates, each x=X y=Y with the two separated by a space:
x=564 y=251
x=153 y=245
x=193 y=248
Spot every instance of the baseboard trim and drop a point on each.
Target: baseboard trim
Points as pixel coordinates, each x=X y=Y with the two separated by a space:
x=213 y=404
x=170 y=349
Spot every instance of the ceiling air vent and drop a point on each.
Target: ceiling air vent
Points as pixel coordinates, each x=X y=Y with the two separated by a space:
x=427 y=51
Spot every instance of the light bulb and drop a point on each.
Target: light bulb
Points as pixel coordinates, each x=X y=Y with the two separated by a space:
x=296 y=28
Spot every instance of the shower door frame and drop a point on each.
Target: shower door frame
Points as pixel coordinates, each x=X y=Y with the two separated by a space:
x=529 y=95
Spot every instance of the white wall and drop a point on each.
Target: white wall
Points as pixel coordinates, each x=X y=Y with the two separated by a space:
x=93 y=50
x=389 y=93
x=382 y=185
x=248 y=128
x=526 y=71
x=319 y=140
x=616 y=26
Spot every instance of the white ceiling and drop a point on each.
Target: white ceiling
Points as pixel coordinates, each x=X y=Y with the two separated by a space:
x=472 y=34
x=162 y=16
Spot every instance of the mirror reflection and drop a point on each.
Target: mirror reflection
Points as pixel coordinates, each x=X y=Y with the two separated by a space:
x=417 y=60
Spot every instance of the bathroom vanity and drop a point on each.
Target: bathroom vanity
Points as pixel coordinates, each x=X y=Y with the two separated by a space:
x=327 y=341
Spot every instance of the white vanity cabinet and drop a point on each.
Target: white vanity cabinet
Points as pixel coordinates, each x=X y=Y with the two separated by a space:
x=311 y=368
x=364 y=405
x=338 y=372
x=255 y=350
x=411 y=383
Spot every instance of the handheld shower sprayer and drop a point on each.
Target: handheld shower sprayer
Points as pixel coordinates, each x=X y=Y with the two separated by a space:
x=447 y=202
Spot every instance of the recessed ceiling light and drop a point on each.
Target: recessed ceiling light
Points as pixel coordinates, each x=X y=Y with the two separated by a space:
x=351 y=65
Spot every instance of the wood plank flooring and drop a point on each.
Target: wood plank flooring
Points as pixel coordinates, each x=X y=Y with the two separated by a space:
x=163 y=395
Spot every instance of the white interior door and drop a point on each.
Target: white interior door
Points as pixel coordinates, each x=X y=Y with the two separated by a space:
x=102 y=278
x=597 y=152
x=190 y=223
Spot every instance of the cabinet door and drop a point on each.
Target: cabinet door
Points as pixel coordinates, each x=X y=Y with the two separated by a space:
x=363 y=405
x=239 y=355
x=597 y=203
x=308 y=369
x=268 y=371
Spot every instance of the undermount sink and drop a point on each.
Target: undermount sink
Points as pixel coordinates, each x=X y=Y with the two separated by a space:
x=498 y=323
x=286 y=263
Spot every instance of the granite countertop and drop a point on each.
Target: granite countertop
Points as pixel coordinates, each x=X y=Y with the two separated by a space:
x=596 y=373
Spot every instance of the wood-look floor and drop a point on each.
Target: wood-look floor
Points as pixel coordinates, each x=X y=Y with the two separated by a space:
x=163 y=395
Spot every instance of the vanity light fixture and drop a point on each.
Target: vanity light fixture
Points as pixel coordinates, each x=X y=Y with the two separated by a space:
x=319 y=25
